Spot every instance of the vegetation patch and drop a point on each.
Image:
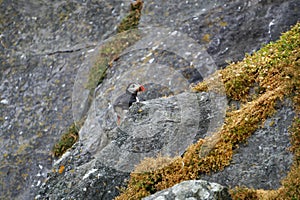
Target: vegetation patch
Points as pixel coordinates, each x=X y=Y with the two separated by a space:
x=66 y=141
x=131 y=21
x=111 y=50
x=243 y=193
x=259 y=82
x=108 y=53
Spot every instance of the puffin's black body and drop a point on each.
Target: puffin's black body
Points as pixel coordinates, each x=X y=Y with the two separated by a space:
x=124 y=101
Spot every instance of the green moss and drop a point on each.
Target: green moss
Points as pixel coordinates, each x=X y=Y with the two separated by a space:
x=112 y=48
x=131 y=21
x=66 y=141
x=108 y=53
x=274 y=73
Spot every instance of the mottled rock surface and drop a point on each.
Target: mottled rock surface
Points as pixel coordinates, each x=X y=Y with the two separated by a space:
x=165 y=125
x=192 y=190
x=265 y=159
x=229 y=28
x=83 y=178
x=43 y=44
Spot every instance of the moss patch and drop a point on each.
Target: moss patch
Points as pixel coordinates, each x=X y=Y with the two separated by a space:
x=66 y=141
x=110 y=51
x=243 y=193
x=258 y=82
x=131 y=21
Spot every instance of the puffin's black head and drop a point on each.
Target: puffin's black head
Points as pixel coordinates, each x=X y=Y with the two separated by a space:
x=133 y=88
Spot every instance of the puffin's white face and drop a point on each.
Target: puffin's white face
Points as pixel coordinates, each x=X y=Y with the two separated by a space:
x=134 y=87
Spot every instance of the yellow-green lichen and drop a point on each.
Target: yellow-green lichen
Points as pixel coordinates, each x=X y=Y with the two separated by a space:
x=206 y=38
x=273 y=72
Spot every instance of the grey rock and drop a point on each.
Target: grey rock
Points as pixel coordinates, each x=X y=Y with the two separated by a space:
x=83 y=178
x=44 y=44
x=192 y=190
x=249 y=24
x=264 y=159
x=165 y=126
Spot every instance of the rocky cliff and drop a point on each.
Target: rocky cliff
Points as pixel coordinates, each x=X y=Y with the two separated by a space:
x=47 y=50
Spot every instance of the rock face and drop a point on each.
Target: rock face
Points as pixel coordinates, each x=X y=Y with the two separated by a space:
x=265 y=158
x=83 y=178
x=192 y=190
x=249 y=24
x=44 y=44
x=165 y=125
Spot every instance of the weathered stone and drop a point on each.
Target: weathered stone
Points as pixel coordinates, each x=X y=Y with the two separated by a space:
x=192 y=190
x=43 y=44
x=228 y=29
x=265 y=159
x=165 y=126
x=83 y=178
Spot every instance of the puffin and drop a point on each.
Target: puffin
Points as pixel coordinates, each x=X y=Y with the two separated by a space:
x=124 y=101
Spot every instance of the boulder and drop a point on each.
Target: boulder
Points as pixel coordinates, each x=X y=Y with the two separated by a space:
x=164 y=126
x=192 y=190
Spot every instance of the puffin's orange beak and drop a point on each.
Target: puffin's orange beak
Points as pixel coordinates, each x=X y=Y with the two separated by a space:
x=142 y=89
